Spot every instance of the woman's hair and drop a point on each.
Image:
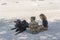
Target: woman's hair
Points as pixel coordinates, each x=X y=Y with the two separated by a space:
x=43 y=17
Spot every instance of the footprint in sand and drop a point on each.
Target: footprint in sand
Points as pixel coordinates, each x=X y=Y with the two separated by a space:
x=58 y=35
x=41 y=0
x=51 y=3
x=17 y=2
x=54 y=38
x=3 y=39
x=4 y=4
x=22 y=38
x=33 y=0
x=49 y=35
x=3 y=32
x=43 y=37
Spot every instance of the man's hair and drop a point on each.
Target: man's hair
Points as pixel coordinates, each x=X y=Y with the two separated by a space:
x=33 y=18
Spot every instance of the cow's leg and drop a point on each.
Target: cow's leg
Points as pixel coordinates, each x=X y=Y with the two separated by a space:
x=17 y=30
x=13 y=28
x=17 y=33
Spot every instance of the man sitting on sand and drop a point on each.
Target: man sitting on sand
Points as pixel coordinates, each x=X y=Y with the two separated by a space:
x=33 y=25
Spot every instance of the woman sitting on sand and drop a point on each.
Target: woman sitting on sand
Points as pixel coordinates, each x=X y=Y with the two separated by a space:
x=44 y=25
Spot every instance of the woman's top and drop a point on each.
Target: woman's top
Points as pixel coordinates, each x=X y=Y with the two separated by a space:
x=45 y=23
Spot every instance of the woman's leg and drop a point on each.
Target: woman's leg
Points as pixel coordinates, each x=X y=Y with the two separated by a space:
x=42 y=28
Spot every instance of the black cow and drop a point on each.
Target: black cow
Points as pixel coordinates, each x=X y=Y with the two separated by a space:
x=20 y=26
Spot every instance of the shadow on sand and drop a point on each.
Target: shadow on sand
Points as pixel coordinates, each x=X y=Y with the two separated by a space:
x=53 y=33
